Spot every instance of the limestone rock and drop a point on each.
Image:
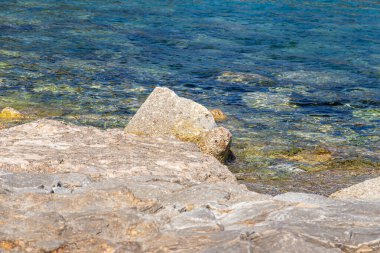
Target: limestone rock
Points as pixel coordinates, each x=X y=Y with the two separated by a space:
x=367 y=190
x=10 y=113
x=66 y=188
x=166 y=114
x=47 y=145
x=217 y=142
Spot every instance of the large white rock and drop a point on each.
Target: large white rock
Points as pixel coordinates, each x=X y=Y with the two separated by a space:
x=166 y=114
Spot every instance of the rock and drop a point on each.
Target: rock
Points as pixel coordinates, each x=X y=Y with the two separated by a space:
x=10 y=113
x=46 y=145
x=367 y=190
x=245 y=78
x=67 y=188
x=218 y=115
x=217 y=142
x=165 y=114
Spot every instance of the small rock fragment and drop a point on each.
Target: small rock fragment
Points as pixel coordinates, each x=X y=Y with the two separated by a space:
x=10 y=113
x=218 y=115
x=217 y=142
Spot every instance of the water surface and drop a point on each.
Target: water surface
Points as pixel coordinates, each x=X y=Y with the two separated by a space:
x=296 y=78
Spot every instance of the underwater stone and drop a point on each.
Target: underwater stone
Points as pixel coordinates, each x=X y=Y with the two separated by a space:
x=10 y=113
x=218 y=115
x=245 y=78
x=166 y=114
x=268 y=100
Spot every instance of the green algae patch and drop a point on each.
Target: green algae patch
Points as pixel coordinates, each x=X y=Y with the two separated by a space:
x=353 y=164
x=10 y=113
x=22 y=107
x=56 y=89
x=4 y=65
x=367 y=114
x=290 y=153
x=10 y=53
x=311 y=157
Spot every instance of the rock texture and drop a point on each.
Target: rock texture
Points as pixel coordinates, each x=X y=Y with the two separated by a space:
x=46 y=146
x=65 y=188
x=166 y=114
x=217 y=142
x=367 y=190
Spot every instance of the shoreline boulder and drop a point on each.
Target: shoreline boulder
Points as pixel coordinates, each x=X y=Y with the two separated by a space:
x=164 y=114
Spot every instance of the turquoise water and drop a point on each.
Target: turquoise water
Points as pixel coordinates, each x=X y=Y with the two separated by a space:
x=287 y=73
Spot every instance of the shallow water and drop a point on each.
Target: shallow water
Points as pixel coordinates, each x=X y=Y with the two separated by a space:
x=289 y=74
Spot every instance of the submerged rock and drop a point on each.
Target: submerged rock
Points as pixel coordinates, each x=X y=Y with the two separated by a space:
x=316 y=77
x=67 y=188
x=268 y=100
x=10 y=113
x=218 y=115
x=245 y=78
x=166 y=114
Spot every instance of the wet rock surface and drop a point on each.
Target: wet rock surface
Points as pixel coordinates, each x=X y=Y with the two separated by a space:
x=65 y=188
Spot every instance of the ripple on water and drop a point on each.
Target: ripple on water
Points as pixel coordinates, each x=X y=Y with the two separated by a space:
x=317 y=77
x=268 y=100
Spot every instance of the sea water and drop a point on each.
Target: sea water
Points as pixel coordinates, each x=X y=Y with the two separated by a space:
x=294 y=77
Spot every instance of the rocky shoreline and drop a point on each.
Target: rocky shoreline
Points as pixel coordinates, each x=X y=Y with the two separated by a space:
x=67 y=188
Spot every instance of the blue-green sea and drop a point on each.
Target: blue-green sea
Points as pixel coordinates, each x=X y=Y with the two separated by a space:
x=299 y=80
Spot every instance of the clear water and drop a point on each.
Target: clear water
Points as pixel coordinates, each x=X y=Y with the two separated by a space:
x=303 y=73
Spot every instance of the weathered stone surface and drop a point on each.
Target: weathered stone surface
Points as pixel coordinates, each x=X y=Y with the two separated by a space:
x=217 y=142
x=46 y=146
x=166 y=114
x=66 y=188
x=367 y=190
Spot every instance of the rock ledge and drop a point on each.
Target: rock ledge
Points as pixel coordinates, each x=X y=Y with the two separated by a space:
x=66 y=188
